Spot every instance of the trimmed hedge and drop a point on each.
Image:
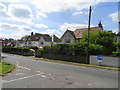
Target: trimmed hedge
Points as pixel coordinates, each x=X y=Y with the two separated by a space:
x=18 y=50
x=74 y=49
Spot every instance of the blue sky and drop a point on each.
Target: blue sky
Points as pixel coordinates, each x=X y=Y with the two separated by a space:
x=21 y=17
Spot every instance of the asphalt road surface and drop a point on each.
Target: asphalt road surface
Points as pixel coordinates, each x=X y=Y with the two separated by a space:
x=31 y=73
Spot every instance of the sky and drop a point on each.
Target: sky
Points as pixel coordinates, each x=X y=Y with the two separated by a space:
x=21 y=17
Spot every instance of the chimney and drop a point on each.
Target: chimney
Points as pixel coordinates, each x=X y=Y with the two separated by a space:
x=31 y=33
x=100 y=25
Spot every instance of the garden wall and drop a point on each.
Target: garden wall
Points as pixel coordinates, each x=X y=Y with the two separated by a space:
x=107 y=61
x=69 y=58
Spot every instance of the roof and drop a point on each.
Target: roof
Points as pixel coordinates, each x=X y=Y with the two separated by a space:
x=71 y=32
x=56 y=39
x=46 y=37
x=79 y=32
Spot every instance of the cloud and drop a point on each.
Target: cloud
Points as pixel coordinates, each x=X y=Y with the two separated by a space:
x=15 y=13
x=58 y=5
x=77 y=13
x=3 y=11
x=14 y=30
x=11 y=1
x=40 y=14
x=72 y=27
x=20 y=13
x=37 y=25
x=63 y=5
x=2 y=7
x=115 y=30
x=114 y=17
x=41 y=25
x=51 y=32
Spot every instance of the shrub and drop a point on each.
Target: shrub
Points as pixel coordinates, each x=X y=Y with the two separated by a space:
x=116 y=53
x=46 y=49
x=66 y=49
x=95 y=49
x=117 y=45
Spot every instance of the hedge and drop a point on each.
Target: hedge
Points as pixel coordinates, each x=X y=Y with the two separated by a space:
x=74 y=49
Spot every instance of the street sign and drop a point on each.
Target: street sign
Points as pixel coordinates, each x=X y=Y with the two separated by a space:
x=100 y=57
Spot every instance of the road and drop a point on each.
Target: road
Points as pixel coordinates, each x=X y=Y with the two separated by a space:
x=31 y=73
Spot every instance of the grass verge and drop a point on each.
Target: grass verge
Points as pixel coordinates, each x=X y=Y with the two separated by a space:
x=79 y=64
x=5 y=68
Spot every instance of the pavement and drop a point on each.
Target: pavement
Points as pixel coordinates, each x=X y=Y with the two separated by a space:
x=31 y=73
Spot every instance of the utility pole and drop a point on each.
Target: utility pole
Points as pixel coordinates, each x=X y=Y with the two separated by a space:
x=52 y=41
x=90 y=10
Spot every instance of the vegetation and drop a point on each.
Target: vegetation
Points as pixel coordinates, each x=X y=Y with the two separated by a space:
x=9 y=39
x=117 y=52
x=103 y=41
x=5 y=67
x=66 y=49
x=25 y=37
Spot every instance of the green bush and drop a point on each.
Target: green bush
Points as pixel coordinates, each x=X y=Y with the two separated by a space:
x=95 y=49
x=66 y=49
x=117 y=45
x=116 y=53
x=46 y=49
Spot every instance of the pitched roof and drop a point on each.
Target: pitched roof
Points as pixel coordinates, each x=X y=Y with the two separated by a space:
x=71 y=32
x=46 y=37
x=56 y=39
x=79 y=32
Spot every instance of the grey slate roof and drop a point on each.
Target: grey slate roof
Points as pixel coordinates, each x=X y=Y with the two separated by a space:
x=46 y=37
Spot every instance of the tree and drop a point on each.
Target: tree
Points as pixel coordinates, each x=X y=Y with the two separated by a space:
x=104 y=38
x=9 y=39
x=24 y=37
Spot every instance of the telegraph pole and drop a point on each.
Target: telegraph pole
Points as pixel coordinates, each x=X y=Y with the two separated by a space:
x=90 y=10
x=52 y=41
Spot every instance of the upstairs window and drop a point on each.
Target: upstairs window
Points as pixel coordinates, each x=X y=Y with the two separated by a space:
x=42 y=43
x=67 y=41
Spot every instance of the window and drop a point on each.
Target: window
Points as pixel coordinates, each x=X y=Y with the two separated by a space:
x=37 y=37
x=29 y=42
x=42 y=43
x=67 y=41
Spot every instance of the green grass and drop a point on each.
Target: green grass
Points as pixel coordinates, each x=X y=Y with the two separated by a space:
x=5 y=67
x=79 y=64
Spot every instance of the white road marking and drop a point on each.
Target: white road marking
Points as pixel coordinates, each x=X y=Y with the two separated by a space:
x=21 y=78
x=17 y=64
x=19 y=74
x=37 y=71
x=24 y=67
x=43 y=76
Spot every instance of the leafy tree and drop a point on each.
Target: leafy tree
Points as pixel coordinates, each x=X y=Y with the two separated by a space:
x=9 y=39
x=103 y=38
x=24 y=37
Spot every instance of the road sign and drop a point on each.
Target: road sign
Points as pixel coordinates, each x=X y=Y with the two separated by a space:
x=100 y=57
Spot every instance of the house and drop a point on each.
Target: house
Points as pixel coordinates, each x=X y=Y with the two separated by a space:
x=5 y=42
x=19 y=43
x=118 y=37
x=75 y=36
x=38 y=40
